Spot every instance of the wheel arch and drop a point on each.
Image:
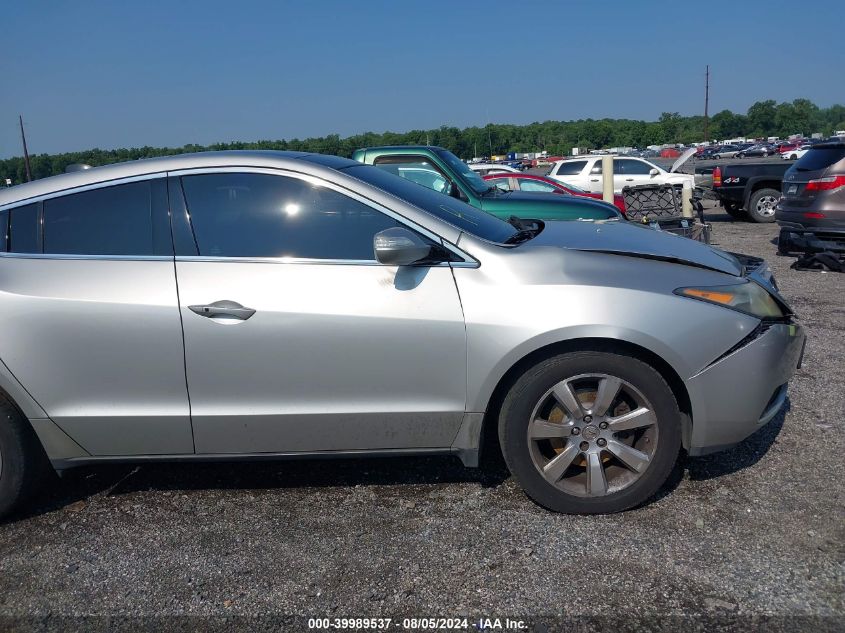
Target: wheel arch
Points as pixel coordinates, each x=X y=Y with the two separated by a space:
x=755 y=185
x=53 y=440
x=489 y=429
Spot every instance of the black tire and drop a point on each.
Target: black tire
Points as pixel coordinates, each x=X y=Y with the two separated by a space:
x=735 y=211
x=529 y=389
x=23 y=461
x=758 y=204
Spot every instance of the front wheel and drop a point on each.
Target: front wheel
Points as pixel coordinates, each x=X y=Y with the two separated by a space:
x=761 y=206
x=590 y=432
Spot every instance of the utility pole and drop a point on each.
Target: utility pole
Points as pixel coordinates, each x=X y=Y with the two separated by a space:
x=25 y=152
x=706 y=101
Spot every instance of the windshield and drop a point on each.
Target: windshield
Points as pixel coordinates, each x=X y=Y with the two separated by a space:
x=473 y=180
x=448 y=209
x=820 y=157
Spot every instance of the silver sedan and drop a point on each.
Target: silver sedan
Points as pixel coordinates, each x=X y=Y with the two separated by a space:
x=253 y=304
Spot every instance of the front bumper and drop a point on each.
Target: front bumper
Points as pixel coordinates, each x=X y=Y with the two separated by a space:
x=738 y=393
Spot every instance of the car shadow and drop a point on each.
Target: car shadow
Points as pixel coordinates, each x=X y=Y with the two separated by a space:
x=718 y=217
x=79 y=484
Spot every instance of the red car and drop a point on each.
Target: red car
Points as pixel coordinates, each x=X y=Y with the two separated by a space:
x=541 y=184
x=786 y=147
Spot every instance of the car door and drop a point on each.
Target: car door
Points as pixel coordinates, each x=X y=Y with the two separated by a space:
x=91 y=318
x=630 y=172
x=296 y=339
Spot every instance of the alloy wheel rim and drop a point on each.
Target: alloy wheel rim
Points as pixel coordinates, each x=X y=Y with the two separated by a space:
x=766 y=206
x=592 y=435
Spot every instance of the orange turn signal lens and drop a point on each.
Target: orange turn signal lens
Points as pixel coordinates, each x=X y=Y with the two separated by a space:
x=725 y=298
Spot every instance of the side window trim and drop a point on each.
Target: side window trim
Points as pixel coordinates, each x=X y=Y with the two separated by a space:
x=465 y=258
x=157 y=208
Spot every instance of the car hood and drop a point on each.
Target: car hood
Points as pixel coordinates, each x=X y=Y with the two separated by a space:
x=635 y=240
x=682 y=159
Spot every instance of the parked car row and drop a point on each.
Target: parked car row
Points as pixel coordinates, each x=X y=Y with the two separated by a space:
x=280 y=304
x=803 y=195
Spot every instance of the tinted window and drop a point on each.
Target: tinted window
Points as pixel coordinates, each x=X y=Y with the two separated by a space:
x=448 y=209
x=110 y=221
x=258 y=215
x=820 y=158
x=570 y=167
x=23 y=230
x=634 y=167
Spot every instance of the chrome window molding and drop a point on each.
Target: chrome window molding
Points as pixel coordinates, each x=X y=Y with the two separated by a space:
x=72 y=190
x=469 y=261
x=314 y=261
x=143 y=258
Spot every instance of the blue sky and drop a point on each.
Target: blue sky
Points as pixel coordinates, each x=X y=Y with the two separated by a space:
x=97 y=73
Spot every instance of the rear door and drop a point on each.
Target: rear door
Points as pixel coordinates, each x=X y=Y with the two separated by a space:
x=313 y=345
x=91 y=319
x=572 y=172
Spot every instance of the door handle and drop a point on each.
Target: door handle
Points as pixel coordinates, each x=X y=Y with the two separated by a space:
x=629 y=180
x=594 y=179
x=230 y=309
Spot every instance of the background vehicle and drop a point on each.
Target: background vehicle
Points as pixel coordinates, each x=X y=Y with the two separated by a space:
x=457 y=179
x=760 y=150
x=727 y=151
x=531 y=182
x=223 y=291
x=586 y=173
x=749 y=191
x=796 y=153
x=482 y=169
x=814 y=196
x=707 y=152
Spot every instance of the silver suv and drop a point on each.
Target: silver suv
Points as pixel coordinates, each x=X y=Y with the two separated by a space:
x=230 y=304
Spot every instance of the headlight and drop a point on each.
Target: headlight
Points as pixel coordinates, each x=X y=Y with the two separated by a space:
x=746 y=297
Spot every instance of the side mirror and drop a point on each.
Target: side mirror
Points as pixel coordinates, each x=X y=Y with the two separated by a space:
x=453 y=191
x=653 y=172
x=399 y=247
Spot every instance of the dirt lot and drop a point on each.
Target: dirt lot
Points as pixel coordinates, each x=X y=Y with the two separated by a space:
x=758 y=531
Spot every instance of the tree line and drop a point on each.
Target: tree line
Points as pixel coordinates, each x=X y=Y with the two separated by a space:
x=762 y=119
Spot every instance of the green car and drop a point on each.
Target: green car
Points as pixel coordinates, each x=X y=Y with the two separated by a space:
x=439 y=169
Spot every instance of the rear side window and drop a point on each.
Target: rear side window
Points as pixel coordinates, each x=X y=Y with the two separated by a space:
x=820 y=158
x=570 y=167
x=110 y=221
x=22 y=230
x=259 y=215
x=527 y=184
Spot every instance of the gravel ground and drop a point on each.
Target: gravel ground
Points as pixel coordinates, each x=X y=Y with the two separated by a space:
x=756 y=532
